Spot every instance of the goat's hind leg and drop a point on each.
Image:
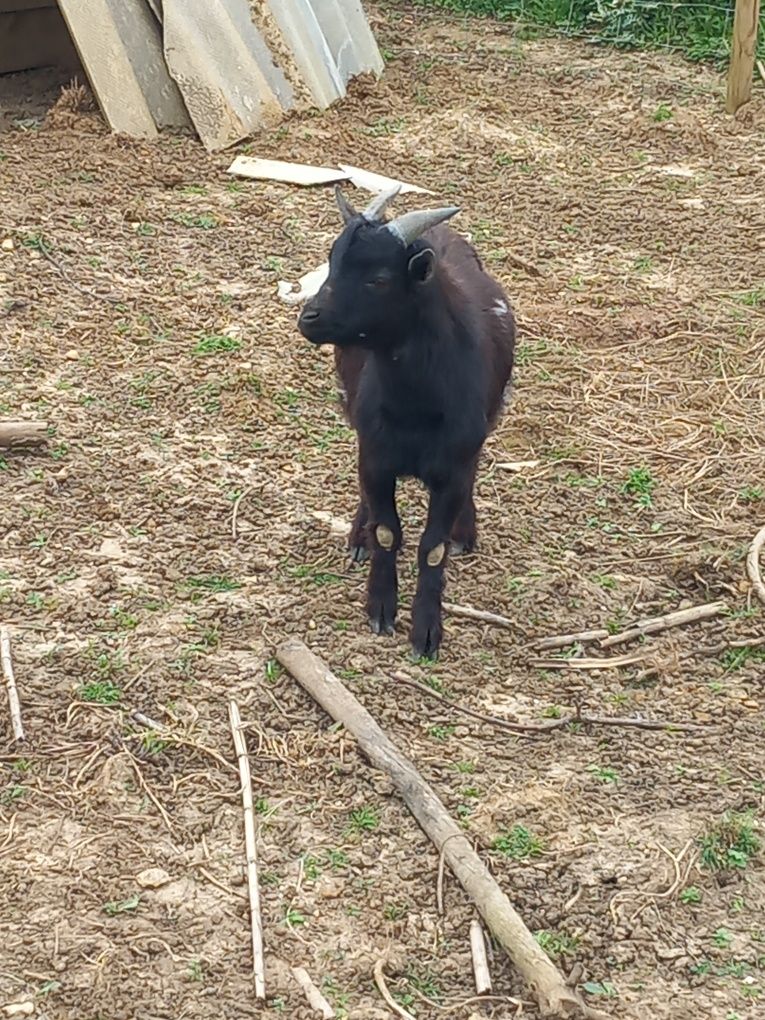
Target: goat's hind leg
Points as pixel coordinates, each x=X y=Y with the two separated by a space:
x=464 y=535
x=358 y=542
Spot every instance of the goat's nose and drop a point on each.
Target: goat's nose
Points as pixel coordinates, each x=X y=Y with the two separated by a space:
x=309 y=314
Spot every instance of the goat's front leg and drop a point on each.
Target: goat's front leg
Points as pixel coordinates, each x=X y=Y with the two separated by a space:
x=445 y=504
x=384 y=538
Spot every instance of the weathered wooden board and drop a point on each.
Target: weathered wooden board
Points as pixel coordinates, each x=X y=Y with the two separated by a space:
x=120 y=47
x=223 y=69
x=303 y=35
x=290 y=173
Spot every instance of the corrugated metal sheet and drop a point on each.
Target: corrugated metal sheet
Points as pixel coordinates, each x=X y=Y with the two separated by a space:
x=152 y=61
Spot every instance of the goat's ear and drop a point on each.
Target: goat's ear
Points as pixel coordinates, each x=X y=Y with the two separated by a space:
x=346 y=209
x=421 y=265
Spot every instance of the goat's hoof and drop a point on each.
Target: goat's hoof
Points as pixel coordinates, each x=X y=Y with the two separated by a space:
x=382 y=617
x=359 y=553
x=426 y=639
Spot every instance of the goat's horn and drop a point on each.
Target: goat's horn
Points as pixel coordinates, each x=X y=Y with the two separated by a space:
x=376 y=208
x=346 y=209
x=409 y=226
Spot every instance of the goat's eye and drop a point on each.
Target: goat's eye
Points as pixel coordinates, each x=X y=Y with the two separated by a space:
x=378 y=282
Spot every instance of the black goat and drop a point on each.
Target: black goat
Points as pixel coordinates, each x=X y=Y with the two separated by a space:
x=424 y=342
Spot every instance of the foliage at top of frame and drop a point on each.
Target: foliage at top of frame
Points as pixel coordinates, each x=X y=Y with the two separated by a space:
x=699 y=29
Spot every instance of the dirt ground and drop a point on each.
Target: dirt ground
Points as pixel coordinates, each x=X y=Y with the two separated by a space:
x=625 y=214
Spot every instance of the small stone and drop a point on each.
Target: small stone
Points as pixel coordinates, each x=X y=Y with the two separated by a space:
x=111 y=549
x=72 y=355
x=7 y=245
x=25 y=1008
x=312 y=624
x=152 y=878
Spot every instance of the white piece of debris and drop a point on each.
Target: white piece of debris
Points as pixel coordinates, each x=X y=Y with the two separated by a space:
x=307 y=286
x=152 y=878
x=376 y=183
x=517 y=465
x=289 y=173
x=337 y=526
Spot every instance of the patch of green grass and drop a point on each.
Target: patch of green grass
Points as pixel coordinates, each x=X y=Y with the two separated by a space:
x=737 y=658
x=216 y=343
x=152 y=743
x=605 y=581
x=662 y=113
x=722 y=938
x=314 y=575
x=730 y=844
x=395 y=911
x=294 y=918
x=752 y=298
x=384 y=126
x=441 y=732
x=601 y=988
x=690 y=895
x=640 y=484
x=122 y=906
x=752 y=494
x=604 y=774
x=363 y=819
x=102 y=692
x=204 y=221
x=519 y=844
x=195 y=970
x=556 y=943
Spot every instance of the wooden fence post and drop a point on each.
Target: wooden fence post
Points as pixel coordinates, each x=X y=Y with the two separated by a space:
x=743 y=48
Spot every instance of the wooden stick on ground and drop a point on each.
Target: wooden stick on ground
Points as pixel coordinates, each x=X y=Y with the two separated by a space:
x=258 y=963
x=656 y=624
x=398 y=1009
x=22 y=433
x=480 y=963
x=562 y=640
x=10 y=683
x=312 y=993
x=550 y=724
x=478 y=614
x=555 y=998
x=614 y=662
x=753 y=565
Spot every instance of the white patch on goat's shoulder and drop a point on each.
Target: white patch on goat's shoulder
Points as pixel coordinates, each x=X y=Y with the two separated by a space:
x=500 y=307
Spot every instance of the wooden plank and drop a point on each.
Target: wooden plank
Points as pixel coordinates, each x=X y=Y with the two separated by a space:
x=120 y=47
x=302 y=33
x=35 y=37
x=349 y=36
x=223 y=68
x=743 y=49
x=290 y=173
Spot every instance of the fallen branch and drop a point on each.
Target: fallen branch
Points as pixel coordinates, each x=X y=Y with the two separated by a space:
x=14 y=434
x=555 y=998
x=516 y=465
x=316 y=1000
x=656 y=624
x=583 y=637
x=397 y=1008
x=753 y=565
x=478 y=614
x=10 y=683
x=614 y=662
x=551 y=724
x=480 y=963
x=240 y=745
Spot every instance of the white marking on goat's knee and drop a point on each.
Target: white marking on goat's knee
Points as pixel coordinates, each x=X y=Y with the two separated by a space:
x=436 y=555
x=384 y=537
x=500 y=307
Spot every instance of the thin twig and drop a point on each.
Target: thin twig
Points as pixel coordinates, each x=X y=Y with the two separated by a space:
x=317 y=1001
x=379 y=976
x=480 y=963
x=656 y=624
x=240 y=745
x=551 y=724
x=614 y=662
x=753 y=565
x=478 y=614
x=46 y=253
x=235 y=512
x=440 y=884
x=562 y=640
x=144 y=720
x=146 y=789
x=10 y=683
